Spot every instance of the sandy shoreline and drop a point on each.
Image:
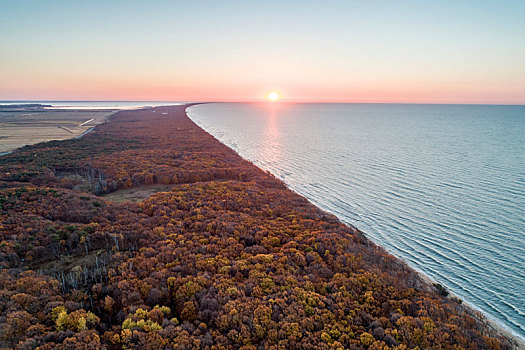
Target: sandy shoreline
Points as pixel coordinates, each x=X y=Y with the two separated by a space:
x=476 y=313
x=468 y=307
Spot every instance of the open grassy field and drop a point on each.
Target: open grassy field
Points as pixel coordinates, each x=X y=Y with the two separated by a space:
x=22 y=127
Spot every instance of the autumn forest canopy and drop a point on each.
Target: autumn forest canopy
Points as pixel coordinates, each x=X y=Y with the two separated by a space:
x=225 y=258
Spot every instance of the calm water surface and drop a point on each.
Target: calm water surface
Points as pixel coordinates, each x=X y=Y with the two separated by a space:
x=441 y=186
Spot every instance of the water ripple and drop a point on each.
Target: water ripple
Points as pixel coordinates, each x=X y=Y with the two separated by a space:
x=442 y=187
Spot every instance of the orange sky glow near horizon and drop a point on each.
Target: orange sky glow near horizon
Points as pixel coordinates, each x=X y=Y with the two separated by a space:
x=122 y=90
x=341 y=51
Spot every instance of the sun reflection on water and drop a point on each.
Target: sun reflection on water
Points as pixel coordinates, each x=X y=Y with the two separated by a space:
x=272 y=138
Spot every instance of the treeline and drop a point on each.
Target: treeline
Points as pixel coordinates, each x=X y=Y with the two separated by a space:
x=228 y=258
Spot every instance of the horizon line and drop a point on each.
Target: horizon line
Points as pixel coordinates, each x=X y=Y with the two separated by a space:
x=281 y=101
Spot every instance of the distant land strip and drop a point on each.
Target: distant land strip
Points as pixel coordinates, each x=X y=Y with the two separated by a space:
x=23 y=125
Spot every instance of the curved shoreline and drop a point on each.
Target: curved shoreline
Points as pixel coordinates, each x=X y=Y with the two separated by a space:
x=187 y=131
x=470 y=307
x=494 y=323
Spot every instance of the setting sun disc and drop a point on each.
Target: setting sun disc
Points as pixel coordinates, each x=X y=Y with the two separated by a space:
x=273 y=96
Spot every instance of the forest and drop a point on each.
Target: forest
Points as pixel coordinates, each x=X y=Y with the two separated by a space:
x=228 y=258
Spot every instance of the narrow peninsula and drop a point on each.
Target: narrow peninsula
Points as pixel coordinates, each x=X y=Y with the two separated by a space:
x=148 y=233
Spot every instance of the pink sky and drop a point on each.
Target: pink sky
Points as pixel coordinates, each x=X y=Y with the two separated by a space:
x=344 y=51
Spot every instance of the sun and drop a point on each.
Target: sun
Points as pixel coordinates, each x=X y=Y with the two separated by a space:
x=273 y=96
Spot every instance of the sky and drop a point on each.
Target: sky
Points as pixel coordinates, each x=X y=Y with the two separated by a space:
x=448 y=51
